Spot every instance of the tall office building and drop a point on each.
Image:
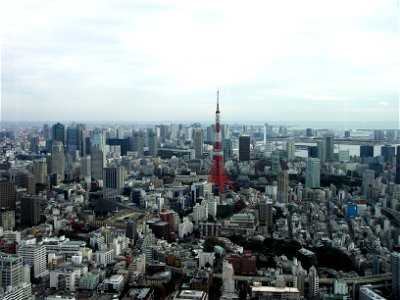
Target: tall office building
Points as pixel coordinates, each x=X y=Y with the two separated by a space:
x=395 y=269
x=321 y=151
x=388 y=153
x=309 y=132
x=225 y=131
x=290 y=150
x=86 y=166
x=76 y=139
x=138 y=142
x=397 y=179
x=366 y=151
x=211 y=134
x=58 y=132
x=328 y=146
x=266 y=213
x=198 y=141
x=97 y=163
x=312 y=151
x=153 y=144
x=25 y=180
x=58 y=160
x=368 y=183
x=275 y=163
x=30 y=210
x=173 y=129
x=46 y=132
x=114 y=179
x=313 y=173
x=8 y=194
x=227 y=149
x=35 y=256
x=244 y=148
x=283 y=187
x=164 y=132
x=11 y=270
x=40 y=171
x=98 y=139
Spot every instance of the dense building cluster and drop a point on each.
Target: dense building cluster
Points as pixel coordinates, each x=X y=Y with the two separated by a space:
x=102 y=211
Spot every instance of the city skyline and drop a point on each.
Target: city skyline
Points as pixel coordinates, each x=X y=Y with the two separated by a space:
x=151 y=61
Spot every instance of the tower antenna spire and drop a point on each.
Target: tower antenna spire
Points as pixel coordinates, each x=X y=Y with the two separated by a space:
x=218 y=99
x=218 y=176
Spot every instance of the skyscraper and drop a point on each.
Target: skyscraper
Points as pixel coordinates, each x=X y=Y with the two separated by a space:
x=76 y=139
x=227 y=149
x=388 y=153
x=114 y=178
x=58 y=160
x=328 y=146
x=138 y=142
x=366 y=151
x=397 y=180
x=395 y=269
x=86 y=166
x=97 y=163
x=266 y=213
x=40 y=171
x=283 y=187
x=368 y=183
x=30 y=210
x=8 y=194
x=313 y=282
x=46 y=132
x=290 y=150
x=58 y=132
x=198 y=142
x=153 y=145
x=244 y=148
x=313 y=173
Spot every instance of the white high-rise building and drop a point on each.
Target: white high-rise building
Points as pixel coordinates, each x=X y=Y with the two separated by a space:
x=35 y=256
x=227 y=277
x=313 y=282
x=290 y=150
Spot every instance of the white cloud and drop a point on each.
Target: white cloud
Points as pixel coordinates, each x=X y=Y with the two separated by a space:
x=173 y=56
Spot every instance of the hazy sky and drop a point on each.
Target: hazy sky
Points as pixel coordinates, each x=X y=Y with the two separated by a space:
x=164 y=60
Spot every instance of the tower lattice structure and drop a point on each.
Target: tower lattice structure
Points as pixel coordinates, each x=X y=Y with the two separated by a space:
x=218 y=176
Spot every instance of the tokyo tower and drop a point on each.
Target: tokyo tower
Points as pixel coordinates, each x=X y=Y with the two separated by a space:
x=218 y=176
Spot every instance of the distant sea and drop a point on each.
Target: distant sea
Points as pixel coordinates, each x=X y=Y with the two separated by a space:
x=342 y=124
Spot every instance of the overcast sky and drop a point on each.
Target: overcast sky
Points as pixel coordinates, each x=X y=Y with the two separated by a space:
x=164 y=60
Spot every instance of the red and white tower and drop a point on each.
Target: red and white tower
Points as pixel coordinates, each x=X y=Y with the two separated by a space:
x=218 y=176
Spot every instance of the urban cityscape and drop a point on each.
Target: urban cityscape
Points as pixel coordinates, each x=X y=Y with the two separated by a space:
x=206 y=150
x=197 y=211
